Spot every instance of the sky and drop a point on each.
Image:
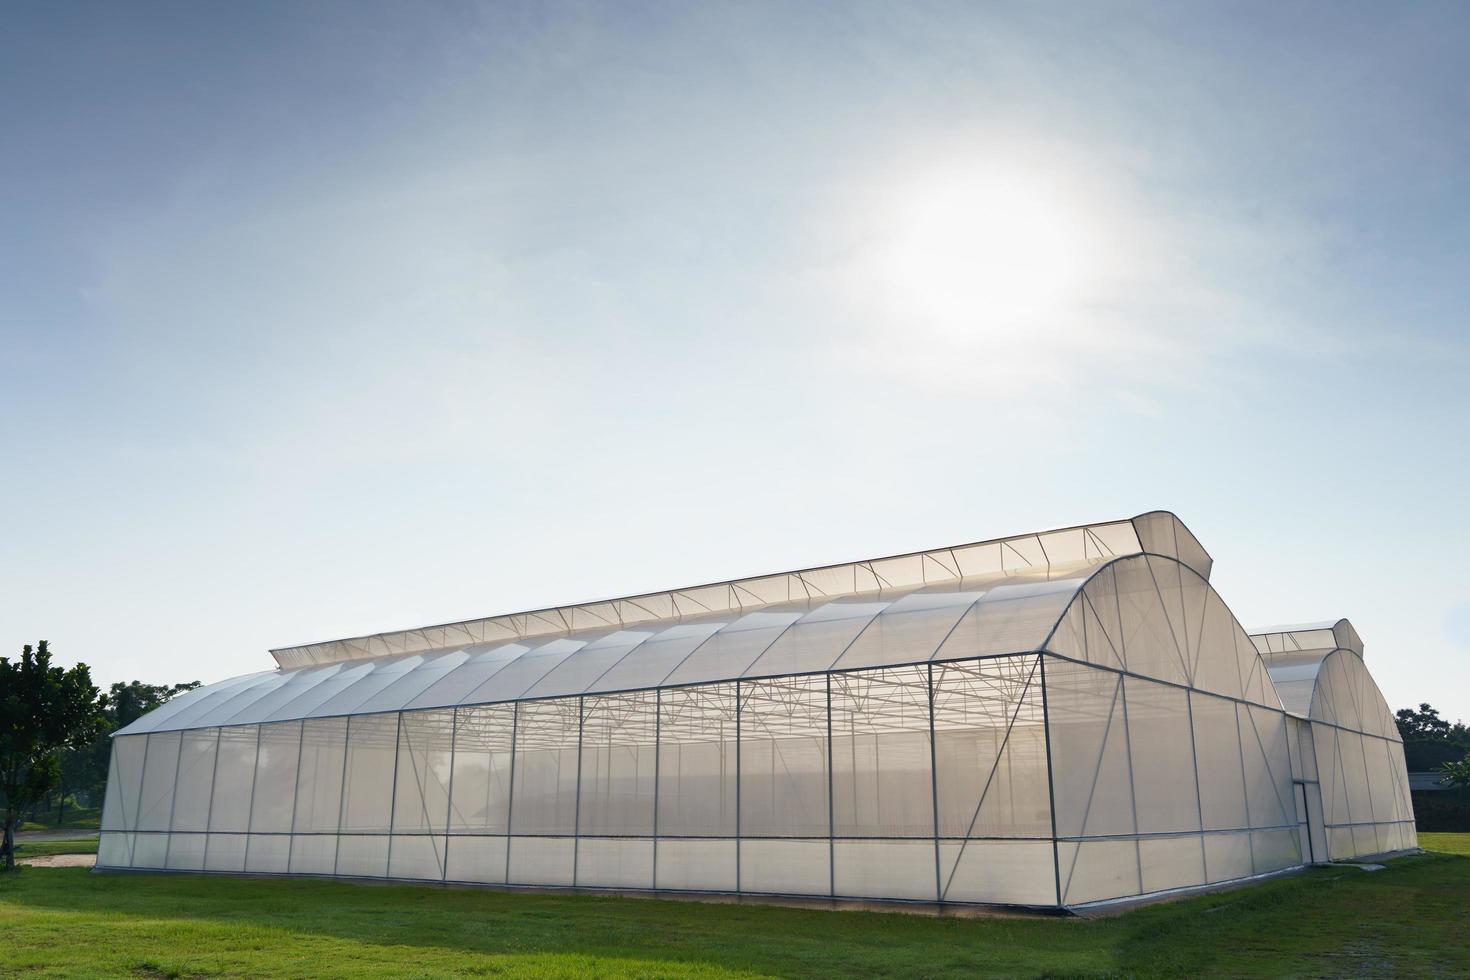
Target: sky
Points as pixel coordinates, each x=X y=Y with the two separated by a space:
x=318 y=320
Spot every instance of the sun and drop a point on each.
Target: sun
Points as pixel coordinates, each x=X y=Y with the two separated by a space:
x=974 y=253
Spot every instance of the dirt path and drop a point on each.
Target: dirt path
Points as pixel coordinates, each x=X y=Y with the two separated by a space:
x=59 y=861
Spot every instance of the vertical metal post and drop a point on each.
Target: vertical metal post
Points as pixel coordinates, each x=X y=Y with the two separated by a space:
x=250 y=807
x=1127 y=734
x=1305 y=823
x=173 y=802
x=1245 y=794
x=738 y=700
x=449 y=792
x=934 y=786
x=1132 y=791
x=577 y=809
x=658 y=722
x=219 y=734
x=296 y=791
x=138 y=802
x=342 y=794
x=1051 y=795
x=831 y=828
x=489 y=784
x=510 y=794
x=393 y=799
x=1199 y=807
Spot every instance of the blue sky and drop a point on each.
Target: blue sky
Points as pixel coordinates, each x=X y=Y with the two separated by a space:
x=322 y=319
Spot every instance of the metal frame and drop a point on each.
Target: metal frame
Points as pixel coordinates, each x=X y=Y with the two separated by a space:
x=985 y=698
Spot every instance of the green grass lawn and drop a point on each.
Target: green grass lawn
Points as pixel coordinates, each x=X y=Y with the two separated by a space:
x=1446 y=843
x=45 y=848
x=1411 y=919
x=75 y=818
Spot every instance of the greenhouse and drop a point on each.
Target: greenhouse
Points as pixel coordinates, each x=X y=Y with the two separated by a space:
x=1047 y=720
x=1349 y=761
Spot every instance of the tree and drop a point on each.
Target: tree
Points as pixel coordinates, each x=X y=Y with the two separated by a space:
x=126 y=703
x=1422 y=724
x=1429 y=740
x=1457 y=774
x=43 y=710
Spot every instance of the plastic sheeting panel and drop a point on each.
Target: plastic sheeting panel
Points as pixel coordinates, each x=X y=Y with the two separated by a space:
x=421 y=786
x=940 y=776
x=699 y=865
x=618 y=765
x=480 y=859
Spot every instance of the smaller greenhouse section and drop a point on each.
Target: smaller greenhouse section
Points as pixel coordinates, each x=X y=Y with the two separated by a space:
x=1347 y=756
x=1049 y=720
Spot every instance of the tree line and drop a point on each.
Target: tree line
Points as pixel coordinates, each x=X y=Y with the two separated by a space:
x=56 y=736
x=1433 y=744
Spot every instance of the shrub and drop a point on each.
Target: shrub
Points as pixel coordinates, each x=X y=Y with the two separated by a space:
x=1441 y=812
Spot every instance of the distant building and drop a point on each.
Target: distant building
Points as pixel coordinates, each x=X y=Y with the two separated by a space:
x=1428 y=782
x=1047 y=720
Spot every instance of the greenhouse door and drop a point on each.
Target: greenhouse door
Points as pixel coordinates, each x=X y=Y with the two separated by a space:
x=1309 y=817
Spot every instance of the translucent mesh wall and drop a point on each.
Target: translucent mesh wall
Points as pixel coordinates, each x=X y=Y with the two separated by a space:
x=479 y=793
x=1161 y=787
x=1144 y=751
x=1347 y=755
x=421 y=794
x=1171 y=762
x=922 y=783
x=1365 y=793
x=991 y=782
x=913 y=782
x=317 y=807
x=916 y=783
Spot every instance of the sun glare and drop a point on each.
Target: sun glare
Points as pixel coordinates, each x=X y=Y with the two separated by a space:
x=979 y=253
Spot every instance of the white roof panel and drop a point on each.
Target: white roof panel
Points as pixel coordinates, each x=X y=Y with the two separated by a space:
x=972 y=600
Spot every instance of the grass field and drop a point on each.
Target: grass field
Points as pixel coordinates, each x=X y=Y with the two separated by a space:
x=46 y=848
x=75 y=818
x=1410 y=919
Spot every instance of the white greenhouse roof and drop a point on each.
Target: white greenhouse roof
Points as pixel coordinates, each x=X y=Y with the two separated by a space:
x=978 y=599
x=1158 y=532
x=1319 y=674
x=1337 y=634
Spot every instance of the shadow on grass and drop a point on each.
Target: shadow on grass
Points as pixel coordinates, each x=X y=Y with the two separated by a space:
x=1398 y=918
